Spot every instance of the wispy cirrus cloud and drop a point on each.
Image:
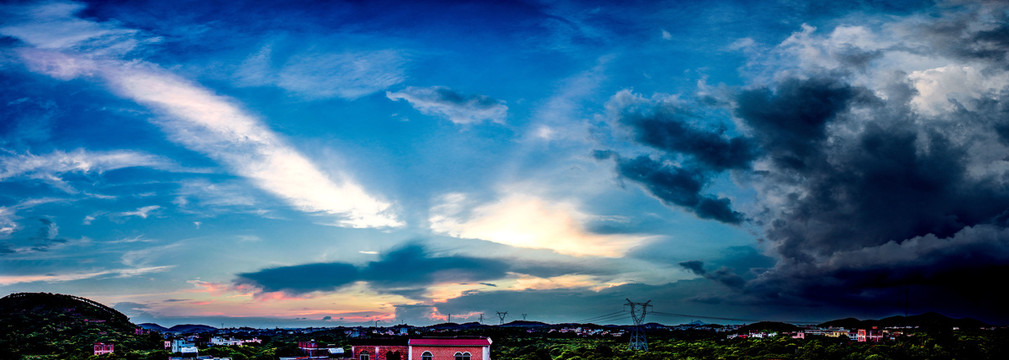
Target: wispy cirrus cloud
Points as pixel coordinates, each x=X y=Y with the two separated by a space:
x=449 y=104
x=141 y=212
x=50 y=166
x=54 y=26
x=6 y=280
x=323 y=74
x=194 y=117
x=212 y=124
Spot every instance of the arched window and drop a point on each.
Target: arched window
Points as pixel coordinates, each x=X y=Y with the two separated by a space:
x=462 y=356
x=364 y=355
x=426 y=356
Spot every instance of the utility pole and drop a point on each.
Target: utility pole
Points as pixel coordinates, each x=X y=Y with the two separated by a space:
x=502 y=316
x=638 y=339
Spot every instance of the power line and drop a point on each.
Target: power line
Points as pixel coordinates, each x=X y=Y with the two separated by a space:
x=621 y=313
x=621 y=316
x=660 y=313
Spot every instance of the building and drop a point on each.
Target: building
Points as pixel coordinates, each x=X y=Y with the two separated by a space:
x=380 y=349
x=185 y=347
x=102 y=348
x=873 y=335
x=221 y=341
x=448 y=348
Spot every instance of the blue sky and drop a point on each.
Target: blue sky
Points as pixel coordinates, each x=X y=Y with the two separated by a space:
x=305 y=164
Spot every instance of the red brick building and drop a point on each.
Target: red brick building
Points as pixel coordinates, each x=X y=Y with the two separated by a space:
x=101 y=348
x=380 y=349
x=450 y=349
x=456 y=348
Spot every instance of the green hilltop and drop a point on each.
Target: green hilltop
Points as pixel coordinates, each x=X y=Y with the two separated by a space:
x=56 y=326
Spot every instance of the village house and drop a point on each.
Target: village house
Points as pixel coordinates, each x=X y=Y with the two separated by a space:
x=447 y=348
x=450 y=349
x=102 y=348
x=873 y=335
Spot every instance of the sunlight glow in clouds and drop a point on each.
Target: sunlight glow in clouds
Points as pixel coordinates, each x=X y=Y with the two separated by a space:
x=529 y=222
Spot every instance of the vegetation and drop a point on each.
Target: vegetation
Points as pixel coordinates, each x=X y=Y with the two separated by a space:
x=676 y=345
x=48 y=326
x=53 y=326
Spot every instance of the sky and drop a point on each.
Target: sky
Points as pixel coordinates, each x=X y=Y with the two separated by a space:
x=338 y=163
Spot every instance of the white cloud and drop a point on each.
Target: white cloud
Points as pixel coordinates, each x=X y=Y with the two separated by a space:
x=214 y=125
x=142 y=212
x=347 y=75
x=530 y=222
x=941 y=89
x=7 y=223
x=456 y=107
x=8 y=215
x=323 y=74
x=80 y=160
x=55 y=26
x=6 y=280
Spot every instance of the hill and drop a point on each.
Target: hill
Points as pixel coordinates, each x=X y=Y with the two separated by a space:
x=191 y=328
x=65 y=326
x=768 y=326
x=153 y=327
x=929 y=320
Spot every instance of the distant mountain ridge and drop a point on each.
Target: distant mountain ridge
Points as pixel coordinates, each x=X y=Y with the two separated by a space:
x=153 y=327
x=926 y=320
x=191 y=328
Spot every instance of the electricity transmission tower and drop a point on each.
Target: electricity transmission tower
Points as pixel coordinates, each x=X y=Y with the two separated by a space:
x=524 y=317
x=638 y=340
x=481 y=318
x=502 y=316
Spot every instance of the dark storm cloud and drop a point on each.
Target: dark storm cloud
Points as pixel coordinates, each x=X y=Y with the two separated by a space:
x=665 y=128
x=700 y=154
x=875 y=199
x=723 y=275
x=790 y=121
x=695 y=266
x=951 y=275
x=977 y=35
x=405 y=271
x=892 y=181
x=675 y=186
x=303 y=278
